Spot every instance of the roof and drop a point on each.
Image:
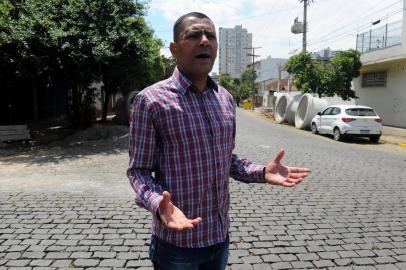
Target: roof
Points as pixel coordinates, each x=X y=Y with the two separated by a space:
x=347 y=106
x=284 y=85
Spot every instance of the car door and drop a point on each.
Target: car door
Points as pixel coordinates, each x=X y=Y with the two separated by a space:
x=324 y=119
x=332 y=119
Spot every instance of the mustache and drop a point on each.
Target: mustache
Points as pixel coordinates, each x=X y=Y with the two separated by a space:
x=205 y=52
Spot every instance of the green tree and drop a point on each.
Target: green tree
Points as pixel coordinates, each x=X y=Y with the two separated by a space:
x=75 y=43
x=238 y=90
x=169 y=64
x=325 y=79
x=346 y=66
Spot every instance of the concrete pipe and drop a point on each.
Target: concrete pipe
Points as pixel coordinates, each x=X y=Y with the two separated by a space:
x=310 y=105
x=280 y=110
x=307 y=108
x=275 y=99
x=292 y=107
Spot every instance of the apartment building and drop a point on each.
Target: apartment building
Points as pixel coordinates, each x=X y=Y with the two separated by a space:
x=233 y=52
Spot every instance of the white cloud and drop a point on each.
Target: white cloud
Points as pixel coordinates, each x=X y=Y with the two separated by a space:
x=332 y=24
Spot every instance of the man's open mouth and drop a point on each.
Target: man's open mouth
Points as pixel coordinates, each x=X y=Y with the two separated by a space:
x=203 y=56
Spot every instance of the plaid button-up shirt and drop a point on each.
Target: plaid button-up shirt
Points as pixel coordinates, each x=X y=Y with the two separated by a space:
x=181 y=140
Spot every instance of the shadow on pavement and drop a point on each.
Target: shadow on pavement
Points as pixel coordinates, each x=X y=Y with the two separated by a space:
x=354 y=140
x=68 y=145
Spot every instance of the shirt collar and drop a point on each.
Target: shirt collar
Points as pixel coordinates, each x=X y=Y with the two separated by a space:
x=184 y=83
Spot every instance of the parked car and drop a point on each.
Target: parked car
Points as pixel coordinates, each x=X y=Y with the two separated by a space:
x=343 y=121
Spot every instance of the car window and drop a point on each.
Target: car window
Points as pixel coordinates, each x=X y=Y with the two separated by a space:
x=327 y=111
x=360 y=112
x=336 y=111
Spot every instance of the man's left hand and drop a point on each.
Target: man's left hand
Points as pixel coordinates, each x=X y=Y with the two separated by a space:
x=278 y=174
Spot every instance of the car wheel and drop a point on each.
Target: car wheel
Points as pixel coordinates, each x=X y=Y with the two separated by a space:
x=374 y=139
x=314 y=128
x=337 y=134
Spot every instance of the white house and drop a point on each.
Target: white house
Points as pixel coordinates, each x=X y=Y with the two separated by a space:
x=382 y=84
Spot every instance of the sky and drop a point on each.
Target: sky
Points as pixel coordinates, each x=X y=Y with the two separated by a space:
x=331 y=23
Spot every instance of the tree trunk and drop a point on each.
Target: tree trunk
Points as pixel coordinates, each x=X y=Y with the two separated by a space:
x=35 y=112
x=76 y=104
x=106 y=101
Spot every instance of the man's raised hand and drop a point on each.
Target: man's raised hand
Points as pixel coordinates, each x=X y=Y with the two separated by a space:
x=278 y=174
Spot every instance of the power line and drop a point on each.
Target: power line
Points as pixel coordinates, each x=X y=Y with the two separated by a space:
x=253 y=71
x=340 y=29
x=356 y=17
x=352 y=32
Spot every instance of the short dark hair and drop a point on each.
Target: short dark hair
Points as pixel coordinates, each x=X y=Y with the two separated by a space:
x=177 y=27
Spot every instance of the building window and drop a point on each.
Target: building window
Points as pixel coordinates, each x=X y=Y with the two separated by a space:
x=374 y=79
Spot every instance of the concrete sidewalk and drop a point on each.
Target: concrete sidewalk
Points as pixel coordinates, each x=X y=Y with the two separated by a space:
x=391 y=135
x=394 y=135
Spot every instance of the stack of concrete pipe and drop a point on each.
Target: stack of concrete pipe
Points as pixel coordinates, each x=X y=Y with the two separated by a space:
x=292 y=107
x=299 y=109
x=280 y=108
x=275 y=99
x=309 y=105
x=286 y=105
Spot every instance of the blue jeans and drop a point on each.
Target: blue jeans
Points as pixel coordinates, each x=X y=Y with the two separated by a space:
x=165 y=256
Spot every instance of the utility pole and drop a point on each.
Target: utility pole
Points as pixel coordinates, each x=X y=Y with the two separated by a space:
x=298 y=27
x=304 y=25
x=253 y=72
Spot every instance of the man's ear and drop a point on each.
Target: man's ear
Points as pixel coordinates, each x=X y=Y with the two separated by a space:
x=172 y=48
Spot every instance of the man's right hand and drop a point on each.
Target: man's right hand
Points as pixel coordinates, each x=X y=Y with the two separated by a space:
x=172 y=217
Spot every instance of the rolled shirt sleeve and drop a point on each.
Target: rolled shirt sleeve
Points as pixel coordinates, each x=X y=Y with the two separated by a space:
x=246 y=171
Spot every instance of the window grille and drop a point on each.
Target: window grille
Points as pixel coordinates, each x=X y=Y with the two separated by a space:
x=374 y=79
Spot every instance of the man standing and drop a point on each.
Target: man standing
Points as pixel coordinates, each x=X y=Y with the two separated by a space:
x=182 y=134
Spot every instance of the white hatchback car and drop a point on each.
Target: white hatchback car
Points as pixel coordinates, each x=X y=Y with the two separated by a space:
x=348 y=121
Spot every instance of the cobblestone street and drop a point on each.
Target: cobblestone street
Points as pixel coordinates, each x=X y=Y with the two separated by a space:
x=72 y=207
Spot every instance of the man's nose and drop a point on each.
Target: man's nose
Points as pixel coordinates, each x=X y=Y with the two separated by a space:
x=204 y=40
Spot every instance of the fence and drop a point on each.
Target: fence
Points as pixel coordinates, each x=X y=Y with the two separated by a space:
x=382 y=37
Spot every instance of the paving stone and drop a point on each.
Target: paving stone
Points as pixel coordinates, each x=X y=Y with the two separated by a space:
x=234 y=260
x=104 y=255
x=17 y=263
x=262 y=266
x=302 y=265
x=81 y=255
x=12 y=255
x=384 y=260
x=288 y=257
x=271 y=258
x=85 y=262
x=323 y=263
x=42 y=263
x=328 y=255
x=401 y=265
x=252 y=259
x=343 y=262
x=58 y=255
x=401 y=258
x=363 y=261
x=308 y=257
x=138 y=263
x=62 y=263
x=365 y=253
x=33 y=255
x=281 y=265
x=387 y=267
x=112 y=263
x=240 y=267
